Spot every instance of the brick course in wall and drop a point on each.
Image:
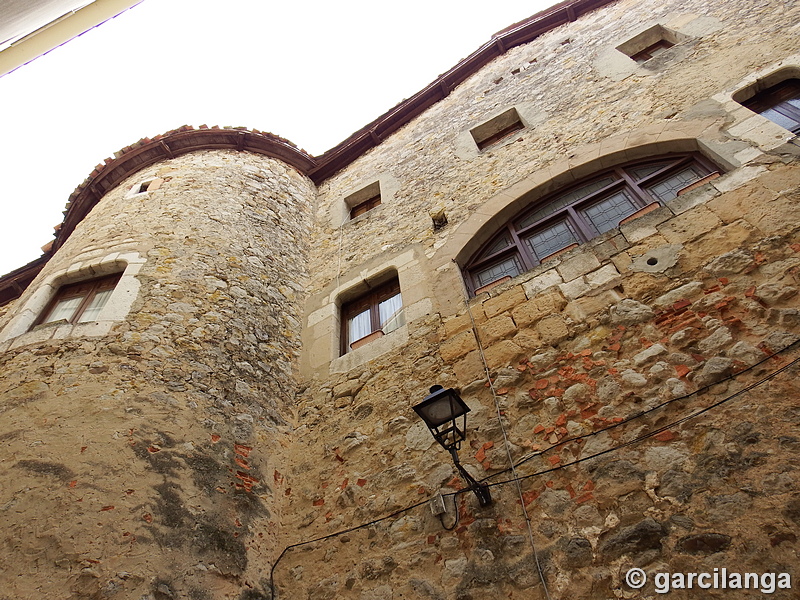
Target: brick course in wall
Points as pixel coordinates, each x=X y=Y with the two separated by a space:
x=634 y=400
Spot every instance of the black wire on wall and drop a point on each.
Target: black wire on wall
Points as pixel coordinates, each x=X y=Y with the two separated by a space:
x=565 y=441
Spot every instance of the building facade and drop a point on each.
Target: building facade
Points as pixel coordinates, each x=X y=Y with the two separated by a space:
x=588 y=228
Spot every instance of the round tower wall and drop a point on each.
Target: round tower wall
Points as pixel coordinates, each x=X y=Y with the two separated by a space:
x=142 y=445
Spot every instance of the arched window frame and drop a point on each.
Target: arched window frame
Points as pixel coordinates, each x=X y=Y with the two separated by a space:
x=508 y=250
x=780 y=103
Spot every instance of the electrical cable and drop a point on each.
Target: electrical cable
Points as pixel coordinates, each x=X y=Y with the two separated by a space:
x=507 y=446
x=518 y=479
x=455 y=509
x=335 y=534
x=656 y=431
x=644 y=413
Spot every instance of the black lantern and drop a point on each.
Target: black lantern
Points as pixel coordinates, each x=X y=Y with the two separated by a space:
x=442 y=410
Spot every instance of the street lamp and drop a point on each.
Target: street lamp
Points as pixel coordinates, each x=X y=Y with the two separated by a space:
x=442 y=410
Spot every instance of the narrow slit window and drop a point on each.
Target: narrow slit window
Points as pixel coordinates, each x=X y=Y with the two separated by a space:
x=497 y=129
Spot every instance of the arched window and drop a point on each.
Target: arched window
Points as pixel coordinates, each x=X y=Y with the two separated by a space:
x=780 y=103
x=574 y=215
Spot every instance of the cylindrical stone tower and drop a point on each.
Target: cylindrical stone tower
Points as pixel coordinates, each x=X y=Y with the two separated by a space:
x=141 y=440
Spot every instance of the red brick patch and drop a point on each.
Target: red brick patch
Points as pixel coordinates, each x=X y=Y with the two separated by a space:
x=528 y=497
x=242 y=450
x=682 y=370
x=665 y=436
x=247 y=481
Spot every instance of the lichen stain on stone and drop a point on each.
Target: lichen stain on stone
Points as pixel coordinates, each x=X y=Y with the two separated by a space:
x=41 y=467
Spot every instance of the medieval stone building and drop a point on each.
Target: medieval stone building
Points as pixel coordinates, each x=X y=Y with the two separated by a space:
x=588 y=228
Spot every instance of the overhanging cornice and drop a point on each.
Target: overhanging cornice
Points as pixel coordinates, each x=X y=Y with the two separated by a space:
x=187 y=139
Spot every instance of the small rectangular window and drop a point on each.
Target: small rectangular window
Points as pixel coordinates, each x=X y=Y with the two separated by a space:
x=367 y=205
x=79 y=302
x=650 y=43
x=651 y=51
x=379 y=311
x=364 y=200
x=497 y=129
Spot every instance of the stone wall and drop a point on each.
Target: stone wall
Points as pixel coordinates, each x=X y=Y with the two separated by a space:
x=633 y=401
x=678 y=96
x=588 y=355
x=140 y=460
x=643 y=318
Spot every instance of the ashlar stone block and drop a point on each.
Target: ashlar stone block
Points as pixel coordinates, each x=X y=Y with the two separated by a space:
x=458 y=345
x=497 y=328
x=689 y=226
x=579 y=265
x=502 y=354
x=601 y=276
x=504 y=301
x=541 y=282
x=542 y=305
x=552 y=329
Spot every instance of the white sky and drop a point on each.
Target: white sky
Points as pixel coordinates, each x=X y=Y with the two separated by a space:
x=313 y=72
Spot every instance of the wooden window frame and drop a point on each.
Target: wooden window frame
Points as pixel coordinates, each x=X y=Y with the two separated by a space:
x=776 y=97
x=652 y=50
x=371 y=300
x=623 y=178
x=497 y=129
x=86 y=289
x=365 y=206
x=651 y=42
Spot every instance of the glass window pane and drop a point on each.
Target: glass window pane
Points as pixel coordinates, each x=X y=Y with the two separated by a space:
x=391 y=314
x=359 y=326
x=781 y=119
x=509 y=266
x=65 y=309
x=779 y=103
x=564 y=201
x=551 y=239
x=502 y=242
x=640 y=173
x=668 y=188
x=95 y=306
x=606 y=214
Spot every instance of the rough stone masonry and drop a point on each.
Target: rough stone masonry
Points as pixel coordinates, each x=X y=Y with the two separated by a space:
x=634 y=400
